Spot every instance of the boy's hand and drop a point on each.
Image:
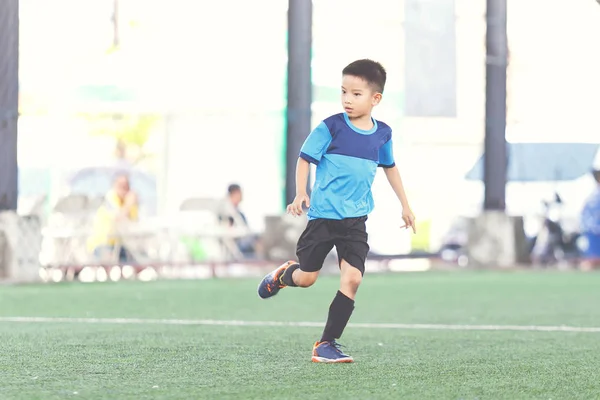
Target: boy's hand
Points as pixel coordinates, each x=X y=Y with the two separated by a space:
x=409 y=220
x=295 y=208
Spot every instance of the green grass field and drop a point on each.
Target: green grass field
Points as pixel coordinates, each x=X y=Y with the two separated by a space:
x=176 y=356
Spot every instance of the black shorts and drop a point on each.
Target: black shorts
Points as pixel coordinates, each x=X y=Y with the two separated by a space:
x=349 y=236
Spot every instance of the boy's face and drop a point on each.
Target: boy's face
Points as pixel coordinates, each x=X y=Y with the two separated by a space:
x=358 y=97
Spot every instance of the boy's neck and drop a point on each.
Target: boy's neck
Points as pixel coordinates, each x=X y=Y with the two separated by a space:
x=364 y=122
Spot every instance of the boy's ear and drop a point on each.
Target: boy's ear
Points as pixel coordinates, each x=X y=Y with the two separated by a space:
x=376 y=98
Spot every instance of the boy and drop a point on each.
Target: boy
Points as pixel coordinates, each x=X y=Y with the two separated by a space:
x=347 y=149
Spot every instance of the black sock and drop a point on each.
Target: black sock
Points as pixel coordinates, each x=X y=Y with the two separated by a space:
x=286 y=278
x=340 y=311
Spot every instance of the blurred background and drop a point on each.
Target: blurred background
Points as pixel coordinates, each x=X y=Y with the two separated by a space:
x=154 y=137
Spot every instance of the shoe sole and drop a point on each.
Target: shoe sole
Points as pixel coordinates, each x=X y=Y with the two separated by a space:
x=329 y=361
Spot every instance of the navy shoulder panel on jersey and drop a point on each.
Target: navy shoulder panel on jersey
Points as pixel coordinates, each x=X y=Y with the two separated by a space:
x=350 y=141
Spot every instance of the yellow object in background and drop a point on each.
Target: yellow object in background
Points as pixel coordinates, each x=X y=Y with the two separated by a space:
x=105 y=221
x=421 y=240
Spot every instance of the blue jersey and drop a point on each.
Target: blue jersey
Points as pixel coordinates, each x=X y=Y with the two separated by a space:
x=347 y=159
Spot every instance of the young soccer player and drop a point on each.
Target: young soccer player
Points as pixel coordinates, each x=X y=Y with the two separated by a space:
x=347 y=149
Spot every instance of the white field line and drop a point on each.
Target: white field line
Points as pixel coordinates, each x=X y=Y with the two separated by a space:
x=210 y=322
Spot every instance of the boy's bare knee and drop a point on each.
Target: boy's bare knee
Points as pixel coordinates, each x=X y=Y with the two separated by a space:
x=305 y=279
x=350 y=280
x=354 y=280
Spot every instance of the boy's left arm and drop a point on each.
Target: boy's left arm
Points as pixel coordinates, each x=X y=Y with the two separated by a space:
x=393 y=176
x=386 y=160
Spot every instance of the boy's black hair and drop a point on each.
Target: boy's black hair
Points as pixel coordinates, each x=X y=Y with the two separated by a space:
x=596 y=174
x=369 y=70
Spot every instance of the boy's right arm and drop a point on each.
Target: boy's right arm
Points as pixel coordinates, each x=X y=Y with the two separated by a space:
x=302 y=171
x=312 y=150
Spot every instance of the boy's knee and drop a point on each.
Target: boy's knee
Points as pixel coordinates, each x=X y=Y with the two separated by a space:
x=350 y=283
x=351 y=277
x=305 y=279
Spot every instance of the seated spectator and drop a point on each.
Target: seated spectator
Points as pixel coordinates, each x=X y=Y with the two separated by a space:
x=120 y=207
x=229 y=211
x=590 y=227
x=230 y=214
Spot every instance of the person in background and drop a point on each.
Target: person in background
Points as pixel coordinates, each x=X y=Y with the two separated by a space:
x=230 y=211
x=232 y=216
x=590 y=227
x=120 y=207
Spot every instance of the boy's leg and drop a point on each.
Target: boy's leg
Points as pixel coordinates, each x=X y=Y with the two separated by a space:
x=352 y=250
x=327 y=350
x=314 y=245
x=342 y=306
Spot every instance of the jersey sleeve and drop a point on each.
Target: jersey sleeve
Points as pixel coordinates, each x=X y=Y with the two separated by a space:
x=386 y=155
x=316 y=144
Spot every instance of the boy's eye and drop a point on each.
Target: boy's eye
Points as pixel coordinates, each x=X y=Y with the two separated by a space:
x=358 y=94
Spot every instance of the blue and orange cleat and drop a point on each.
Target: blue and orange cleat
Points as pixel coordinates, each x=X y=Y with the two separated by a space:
x=271 y=284
x=329 y=352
